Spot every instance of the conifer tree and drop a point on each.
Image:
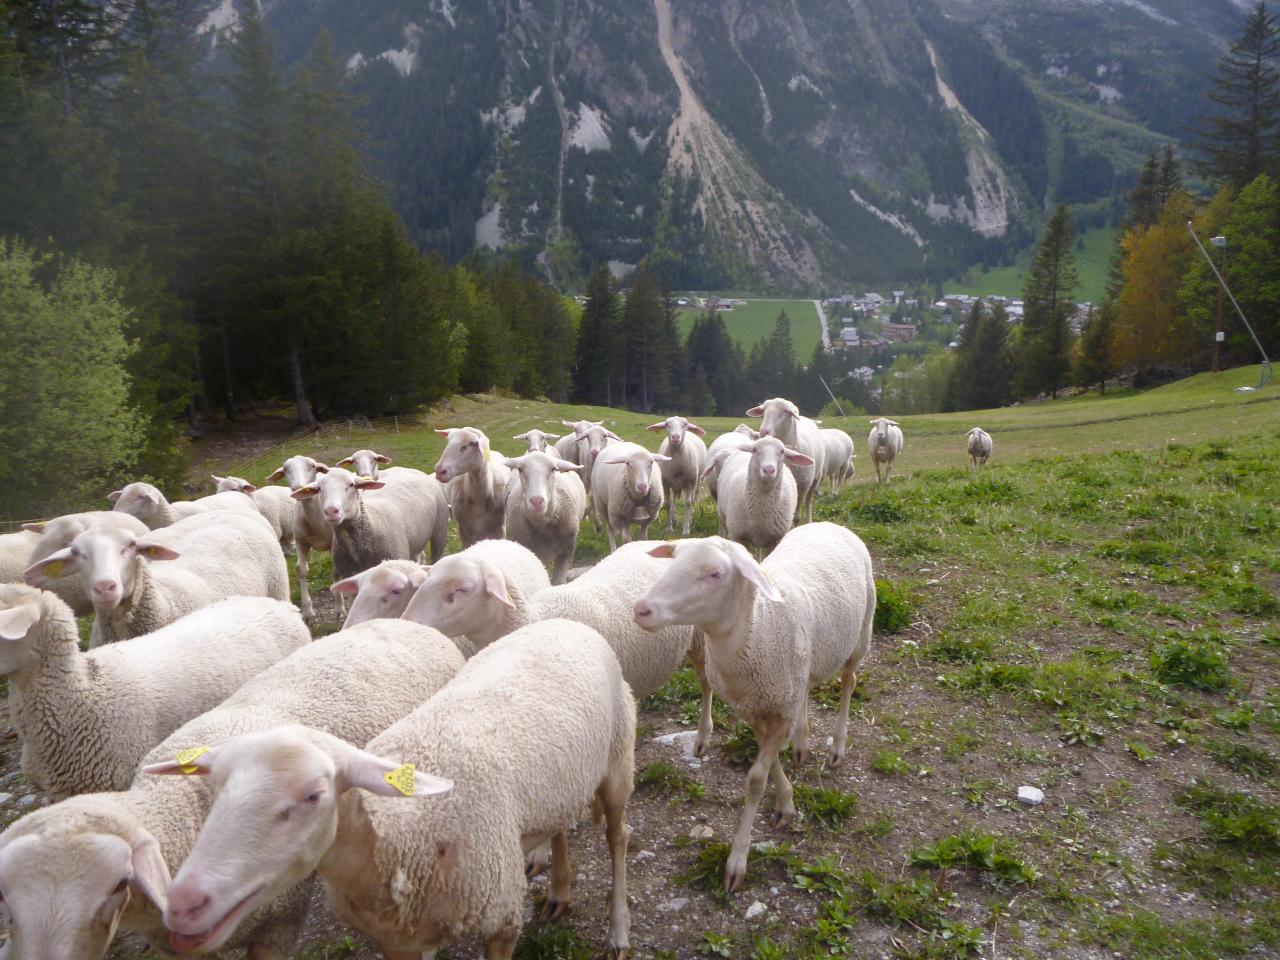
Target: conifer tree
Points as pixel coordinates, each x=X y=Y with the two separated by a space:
x=596 y=364
x=1044 y=353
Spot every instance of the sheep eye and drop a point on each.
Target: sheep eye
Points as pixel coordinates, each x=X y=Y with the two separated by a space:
x=715 y=574
x=474 y=443
x=313 y=798
x=397 y=591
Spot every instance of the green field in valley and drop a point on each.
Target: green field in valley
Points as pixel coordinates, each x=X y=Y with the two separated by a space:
x=755 y=320
x=1091 y=261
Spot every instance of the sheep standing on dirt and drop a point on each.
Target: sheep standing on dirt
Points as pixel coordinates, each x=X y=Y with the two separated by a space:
x=536 y=441
x=396 y=523
x=57 y=534
x=381 y=591
x=495 y=774
x=86 y=719
x=773 y=631
x=626 y=488
x=683 y=472
x=781 y=418
x=365 y=463
x=481 y=593
x=884 y=443
x=213 y=555
x=726 y=442
x=477 y=484
x=979 y=447
x=545 y=506
x=310 y=532
x=758 y=493
x=274 y=503
x=106 y=858
x=148 y=504
x=839 y=458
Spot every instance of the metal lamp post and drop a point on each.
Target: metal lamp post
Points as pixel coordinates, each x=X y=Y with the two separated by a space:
x=1221 y=243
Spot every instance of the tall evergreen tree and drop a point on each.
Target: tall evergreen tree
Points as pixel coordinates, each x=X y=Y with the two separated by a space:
x=710 y=349
x=1044 y=353
x=647 y=355
x=1237 y=142
x=771 y=371
x=596 y=363
x=1093 y=363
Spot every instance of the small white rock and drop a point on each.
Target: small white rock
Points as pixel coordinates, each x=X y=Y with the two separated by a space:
x=5 y=797
x=702 y=833
x=674 y=906
x=755 y=910
x=1031 y=796
x=684 y=740
x=644 y=855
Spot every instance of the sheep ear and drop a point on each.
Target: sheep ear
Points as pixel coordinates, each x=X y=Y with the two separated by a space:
x=657 y=426
x=694 y=428
x=248 y=488
x=50 y=568
x=360 y=769
x=893 y=423
x=349 y=585
x=550 y=437
x=344 y=461
x=153 y=551
x=445 y=432
x=321 y=467
x=496 y=584
x=746 y=565
x=419 y=576
x=663 y=551
x=381 y=458
x=796 y=458
x=757 y=411
x=568 y=423
x=216 y=478
x=513 y=463
x=615 y=459
x=563 y=465
x=36 y=527
x=660 y=457
x=115 y=495
x=16 y=621
x=275 y=474
x=368 y=483
x=193 y=762
x=150 y=872
x=306 y=490
x=611 y=435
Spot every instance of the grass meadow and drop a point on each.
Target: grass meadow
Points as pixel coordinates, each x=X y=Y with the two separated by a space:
x=755 y=321
x=1091 y=261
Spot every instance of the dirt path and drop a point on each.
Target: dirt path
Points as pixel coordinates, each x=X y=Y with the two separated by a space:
x=822 y=325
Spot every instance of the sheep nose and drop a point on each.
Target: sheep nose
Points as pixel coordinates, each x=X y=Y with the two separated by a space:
x=332 y=514
x=105 y=589
x=764 y=433
x=642 y=488
x=442 y=474
x=537 y=503
x=186 y=905
x=642 y=611
x=769 y=470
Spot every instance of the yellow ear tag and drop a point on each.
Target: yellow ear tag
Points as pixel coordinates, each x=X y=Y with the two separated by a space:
x=185 y=758
x=54 y=570
x=401 y=778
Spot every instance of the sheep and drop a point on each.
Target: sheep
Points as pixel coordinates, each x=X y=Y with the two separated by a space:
x=727 y=442
x=758 y=493
x=274 y=503
x=428 y=499
x=569 y=447
x=477 y=484
x=626 y=488
x=390 y=525
x=683 y=472
x=546 y=502
x=536 y=441
x=106 y=858
x=591 y=444
x=364 y=463
x=781 y=418
x=381 y=591
x=15 y=554
x=884 y=443
x=481 y=593
x=219 y=554
x=56 y=534
x=839 y=458
x=492 y=775
x=310 y=532
x=979 y=447
x=773 y=631
x=148 y=504
x=86 y=719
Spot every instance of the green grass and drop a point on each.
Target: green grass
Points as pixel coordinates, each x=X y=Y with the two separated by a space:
x=755 y=320
x=1091 y=262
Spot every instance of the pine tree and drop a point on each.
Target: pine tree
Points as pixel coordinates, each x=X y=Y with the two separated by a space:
x=596 y=366
x=646 y=348
x=1044 y=353
x=1238 y=141
x=709 y=347
x=1093 y=362
x=771 y=371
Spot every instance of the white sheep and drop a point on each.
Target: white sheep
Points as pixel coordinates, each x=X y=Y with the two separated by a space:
x=546 y=502
x=57 y=534
x=86 y=719
x=591 y=444
x=148 y=504
x=978 y=446
x=781 y=418
x=477 y=484
x=757 y=501
x=773 y=631
x=213 y=555
x=481 y=593
x=536 y=441
x=683 y=472
x=381 y=591
x=725 y=442
x=15 y=554
x=884 y=443
x=365 y=463
x=839 y=458
x=274 y=503
x=493 y=774
x=310 y=532
x=626 y=488
x=569 y=447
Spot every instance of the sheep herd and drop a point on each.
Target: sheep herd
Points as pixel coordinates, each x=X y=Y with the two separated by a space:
x=211 y=763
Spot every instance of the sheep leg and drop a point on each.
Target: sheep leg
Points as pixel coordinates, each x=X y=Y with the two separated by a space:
x=304 y=568
x=561 y=879
x=670 y=498
x=560 y=568
x=783 y=797
x=698 y=657
x=537 y=860
x=500 y=947
x=848 y=680
x=612 y=795
x=613 y=541
x=771 y=735
x=800 y=735
x=688 y=511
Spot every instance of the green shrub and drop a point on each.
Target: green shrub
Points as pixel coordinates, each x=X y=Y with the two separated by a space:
x=1192 y=663
x=895 y=607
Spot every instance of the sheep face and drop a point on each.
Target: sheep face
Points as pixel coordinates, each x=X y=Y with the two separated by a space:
x=299 y=471
x=137 y=500
x=769 y=456
x=535 y=440
x=274 y=818
x=778 y=418
x=594 y=440
x=466 y=452
x=381 y=592
x=64 y=895
x=339 y=493
x=675 y=429
x=881 y=427
x=461 y=596
x=105 y=559
x=746 y=431
x=538 y=480
x=703 y=586
x=639 y=472
x=365 y=463
x=232 y=485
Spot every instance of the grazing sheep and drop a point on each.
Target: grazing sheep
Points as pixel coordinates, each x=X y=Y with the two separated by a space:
x=391 y=525
x=86 y=719
x=979 y=447
x=884 y=443
x=773 y=631
x=477 y=484
x=839 y=458
x=545 y=506
x=683 y=472
x=758 y=493
x=274 y=503
x=148 y=504
x=15 y=554
x=224 y=553
x=626 y=488
x=57 y=534
x=364 y=463
x=536 y=441
x=781 y=418
x=310 y=532
x=495 y=774
x=105 y=858
x=725 y=442
x=481 y=593
x=381 y=591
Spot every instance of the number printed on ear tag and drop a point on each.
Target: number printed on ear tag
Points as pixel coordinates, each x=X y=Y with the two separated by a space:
x=185 y=758
x=401 y=778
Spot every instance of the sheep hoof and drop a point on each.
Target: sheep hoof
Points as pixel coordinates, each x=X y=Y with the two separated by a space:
x=616 y=953
x=734 y=873
x=536 y=862
x=836 y=758
x=782 y=819
x=700 y=746
x=801 y=757
x=553 y=909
